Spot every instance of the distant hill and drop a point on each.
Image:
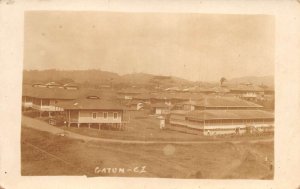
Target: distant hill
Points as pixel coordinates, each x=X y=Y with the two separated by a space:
x=136 y=78
x=78 y=76
x=265 y=80
x=96 y=78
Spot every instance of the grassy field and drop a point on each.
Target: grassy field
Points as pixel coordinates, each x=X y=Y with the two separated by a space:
x=138 y=129
x=47 y=154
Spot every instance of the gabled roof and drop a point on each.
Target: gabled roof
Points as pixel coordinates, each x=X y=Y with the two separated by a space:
x=229 y=114
x=90 y=104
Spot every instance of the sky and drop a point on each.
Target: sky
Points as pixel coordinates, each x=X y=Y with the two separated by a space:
x=197 y=47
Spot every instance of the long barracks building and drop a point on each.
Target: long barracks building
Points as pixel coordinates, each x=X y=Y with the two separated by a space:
x=221 y=115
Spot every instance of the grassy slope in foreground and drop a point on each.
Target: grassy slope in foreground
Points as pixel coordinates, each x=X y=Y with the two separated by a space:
x=48 y=154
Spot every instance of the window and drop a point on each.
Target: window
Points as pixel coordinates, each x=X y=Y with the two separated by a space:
x=115 y=115
x=105 y=115
x=94 y=115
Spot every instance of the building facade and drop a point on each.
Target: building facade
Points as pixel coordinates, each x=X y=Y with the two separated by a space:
x=93 y=111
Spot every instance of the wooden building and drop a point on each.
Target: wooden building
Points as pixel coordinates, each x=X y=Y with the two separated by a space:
x=247 y=91
x=220 y=122
x=220 y=115
x=93 y=110
x=45 y=99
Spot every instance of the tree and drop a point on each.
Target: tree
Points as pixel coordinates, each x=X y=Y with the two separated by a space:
x=222 y=80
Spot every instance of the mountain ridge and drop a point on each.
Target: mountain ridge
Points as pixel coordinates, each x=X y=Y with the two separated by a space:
x=99 y=77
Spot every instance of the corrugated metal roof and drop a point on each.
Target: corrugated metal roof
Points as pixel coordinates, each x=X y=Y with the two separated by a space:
x=58 y=93
x=229 y=114
x=89 y=104
x=226 y=102
x=49 y=93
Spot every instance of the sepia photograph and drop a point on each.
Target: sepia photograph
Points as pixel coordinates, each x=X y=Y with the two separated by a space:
x=193 y=94
x=137 y=94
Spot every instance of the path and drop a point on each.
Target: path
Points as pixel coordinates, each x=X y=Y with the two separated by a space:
x=43 y=126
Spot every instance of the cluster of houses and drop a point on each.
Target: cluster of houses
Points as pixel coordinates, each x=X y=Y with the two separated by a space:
x=196 y=110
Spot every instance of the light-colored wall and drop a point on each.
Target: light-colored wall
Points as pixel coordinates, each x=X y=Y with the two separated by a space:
x=221 y=129
x=85 y=116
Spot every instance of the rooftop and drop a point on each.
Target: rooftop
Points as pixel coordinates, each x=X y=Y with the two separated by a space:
x=179 y=96
x=229 y=114
x=90 y=104
x=60 y=93
x=221 y=101
x=49 y=93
